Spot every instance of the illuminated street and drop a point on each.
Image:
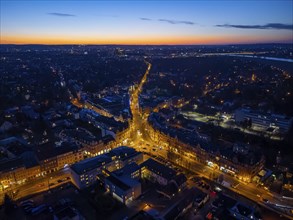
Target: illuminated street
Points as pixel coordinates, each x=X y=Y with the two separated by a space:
x=39 y=185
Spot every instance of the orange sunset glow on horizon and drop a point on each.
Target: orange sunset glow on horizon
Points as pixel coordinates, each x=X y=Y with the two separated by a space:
x=135 y=40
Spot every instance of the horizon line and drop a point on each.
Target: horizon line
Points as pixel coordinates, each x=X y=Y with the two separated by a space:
x=68 y=44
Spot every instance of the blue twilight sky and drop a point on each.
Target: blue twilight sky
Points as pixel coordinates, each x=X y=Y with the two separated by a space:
x=146 y=22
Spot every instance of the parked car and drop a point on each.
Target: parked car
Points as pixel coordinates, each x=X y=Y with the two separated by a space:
x=65 y=201
x=28 y=209
x=27 y=205
x=26 y=201
x=39 y=209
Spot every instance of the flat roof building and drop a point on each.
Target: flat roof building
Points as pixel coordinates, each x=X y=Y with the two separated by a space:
x=157 y=172
x=84 y=173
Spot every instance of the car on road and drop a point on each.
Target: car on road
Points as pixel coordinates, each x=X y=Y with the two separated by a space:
x=27 y=205
x=29 y=201
x=217 y=189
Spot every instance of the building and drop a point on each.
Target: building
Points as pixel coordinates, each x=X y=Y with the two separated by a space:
x=16 y=171
x=29 y=112
x=237 y=160
x=125 y=155
x=6 y=126
x=80 y=136
x=277 y=123
x=157 y=172
x=241 y=160
x=104 y=145
x=142 y=215
x=241 y=211
x=52 y=158
x=18 y=163
x=180 y=181
x=177 y=184
x=124 y=183
x=85 y=172
x=176 y=210
x=70 y=156
x=225 y=207
x=11 y=172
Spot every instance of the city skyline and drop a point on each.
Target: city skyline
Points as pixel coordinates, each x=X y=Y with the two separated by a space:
x=160 y=22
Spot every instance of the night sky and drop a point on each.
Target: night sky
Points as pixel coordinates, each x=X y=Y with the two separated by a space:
x=146 y=22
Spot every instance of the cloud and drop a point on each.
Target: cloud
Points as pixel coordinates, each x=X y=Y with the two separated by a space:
x=146 y=19
x=169 y=21
x=277 y=26
x=176 y=21
x=61 y=14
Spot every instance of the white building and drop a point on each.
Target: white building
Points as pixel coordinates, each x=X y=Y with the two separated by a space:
x=84 y=173
x=281 y=123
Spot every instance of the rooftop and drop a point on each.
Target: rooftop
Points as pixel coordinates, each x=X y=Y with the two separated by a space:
x=49 y=150
x=90 y=164
x=12 y=164
x=127 y=169
x=123 y=152
x=175 y=210
x=118 y=182
x=142 y=215
x=159 y=169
